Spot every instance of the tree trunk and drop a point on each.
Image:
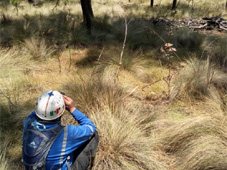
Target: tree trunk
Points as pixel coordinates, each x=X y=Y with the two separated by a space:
x=152 y=3
x=87 y=13
x=174 y=4
x=90 y=9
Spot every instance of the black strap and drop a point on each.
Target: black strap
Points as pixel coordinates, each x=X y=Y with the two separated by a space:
x=57 y=130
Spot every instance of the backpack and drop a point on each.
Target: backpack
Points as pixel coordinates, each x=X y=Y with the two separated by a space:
x=37 y=143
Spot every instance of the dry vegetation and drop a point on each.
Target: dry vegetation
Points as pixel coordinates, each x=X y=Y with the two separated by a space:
x=141 y=127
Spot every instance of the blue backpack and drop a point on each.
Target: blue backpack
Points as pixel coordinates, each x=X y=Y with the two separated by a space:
x=37 y=143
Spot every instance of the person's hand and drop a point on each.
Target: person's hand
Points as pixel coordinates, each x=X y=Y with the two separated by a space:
x=69 y=104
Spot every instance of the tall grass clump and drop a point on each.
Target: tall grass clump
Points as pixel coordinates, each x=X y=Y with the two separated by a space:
x=187 y=39
x=102 y=28
x=12 y=79
x=132 y=61
x=216 y=48
x=207 y=152
x=139 y=34
x=9 y=64
x=79 y=36
x=9 y=60
x=124 y=139
x=123 y=143
x=19 y=30
x=37 y=48
x=92 y=93
x=3 y=160
x=197 y=143
x=198 y=79
x=176 y=138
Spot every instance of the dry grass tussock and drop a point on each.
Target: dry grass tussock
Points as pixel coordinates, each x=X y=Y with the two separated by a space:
x=132 y=61
x=215 y=107
x=94 y=94
x=176 y=137
x=3 y=160
x=123 y=142
x=197 y=143
x=37 y=48
x=216 y=48
x=13 y=82
x=198 y=79
x=11 y=60
x=207 y=152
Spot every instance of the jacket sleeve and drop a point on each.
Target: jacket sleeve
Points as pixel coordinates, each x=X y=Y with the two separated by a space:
x=86 y=129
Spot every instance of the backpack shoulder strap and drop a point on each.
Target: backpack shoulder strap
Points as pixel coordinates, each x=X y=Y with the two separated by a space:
x=42 y=161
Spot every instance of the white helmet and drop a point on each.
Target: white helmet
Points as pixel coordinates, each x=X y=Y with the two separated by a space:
x=50 y=105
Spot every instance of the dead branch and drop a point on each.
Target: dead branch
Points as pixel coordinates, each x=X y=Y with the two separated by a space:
x=206 y=23
x=57 y=3
x=100 y=55
x=222 y=27
x=198 y=27
x=8 y=98
x=123 y=46
x=131 y=92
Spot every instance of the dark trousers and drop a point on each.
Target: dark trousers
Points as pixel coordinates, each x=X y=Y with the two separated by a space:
x=85 y=154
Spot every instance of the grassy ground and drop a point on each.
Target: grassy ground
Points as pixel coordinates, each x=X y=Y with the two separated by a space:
x=158 y=109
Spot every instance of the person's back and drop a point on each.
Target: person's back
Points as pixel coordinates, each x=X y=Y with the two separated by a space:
x=70 y=142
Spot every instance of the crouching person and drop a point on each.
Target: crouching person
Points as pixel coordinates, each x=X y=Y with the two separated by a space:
x=47 y=145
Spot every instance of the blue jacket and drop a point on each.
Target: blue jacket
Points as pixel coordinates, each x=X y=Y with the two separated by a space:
x=68 y=140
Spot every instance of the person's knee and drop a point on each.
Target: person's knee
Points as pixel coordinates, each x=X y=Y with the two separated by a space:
x=96 y=136
x=93 y=144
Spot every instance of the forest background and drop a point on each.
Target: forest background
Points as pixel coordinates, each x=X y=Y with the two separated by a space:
x=154 y=85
